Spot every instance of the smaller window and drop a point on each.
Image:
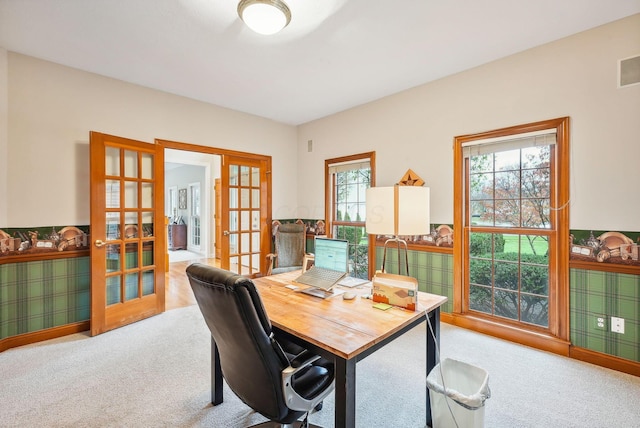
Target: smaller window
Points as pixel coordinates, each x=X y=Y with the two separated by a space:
x=347 y=181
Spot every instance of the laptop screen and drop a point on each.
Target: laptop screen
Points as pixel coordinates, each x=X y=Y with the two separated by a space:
x=331 y=254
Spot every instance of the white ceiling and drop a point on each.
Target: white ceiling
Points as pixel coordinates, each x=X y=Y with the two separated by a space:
x=335 y=54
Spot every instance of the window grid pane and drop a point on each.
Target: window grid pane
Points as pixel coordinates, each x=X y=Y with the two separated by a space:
x=509 y=273
x=349 y=214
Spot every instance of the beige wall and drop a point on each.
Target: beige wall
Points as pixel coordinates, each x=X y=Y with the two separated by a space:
x=45 y=124
x=52 y=109
x=4 y=134
x=573 y=77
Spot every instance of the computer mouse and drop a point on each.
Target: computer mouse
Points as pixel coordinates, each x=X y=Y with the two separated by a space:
x=348 y=295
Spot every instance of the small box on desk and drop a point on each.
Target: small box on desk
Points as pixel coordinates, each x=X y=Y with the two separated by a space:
x=397 y=290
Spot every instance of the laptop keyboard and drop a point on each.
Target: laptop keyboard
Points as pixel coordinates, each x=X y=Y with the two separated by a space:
x=319 y=277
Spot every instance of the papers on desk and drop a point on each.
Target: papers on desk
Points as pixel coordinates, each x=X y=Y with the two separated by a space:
x=382 y=306
x=350 y=281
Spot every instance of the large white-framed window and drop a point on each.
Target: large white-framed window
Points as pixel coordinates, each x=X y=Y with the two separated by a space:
x=512 y=228
x=195 y=208
x=172 y=202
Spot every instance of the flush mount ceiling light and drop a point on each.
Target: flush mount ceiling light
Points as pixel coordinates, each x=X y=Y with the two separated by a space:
x=264 y=16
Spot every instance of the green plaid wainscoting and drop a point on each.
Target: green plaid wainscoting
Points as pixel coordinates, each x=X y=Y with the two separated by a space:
x=42 y=294
x=434 y=271
x=596 y=294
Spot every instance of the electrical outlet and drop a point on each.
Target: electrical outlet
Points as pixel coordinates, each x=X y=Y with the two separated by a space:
x=617 y=325
x=600 y=323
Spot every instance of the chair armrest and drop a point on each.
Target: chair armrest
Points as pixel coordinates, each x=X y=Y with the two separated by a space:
x=303 y=359
x=308 y=258
x=294 y=400
x=271 y=257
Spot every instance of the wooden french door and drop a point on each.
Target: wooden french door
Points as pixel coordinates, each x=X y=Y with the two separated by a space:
x=218 y=218
x=244 y=220
x=127 y=231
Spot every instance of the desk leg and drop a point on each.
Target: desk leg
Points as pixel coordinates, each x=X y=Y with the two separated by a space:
x=434 y=319
x=345 y=393
x=216 y=375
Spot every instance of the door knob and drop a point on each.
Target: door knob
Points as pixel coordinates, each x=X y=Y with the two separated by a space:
x=225 y=233
x=99 y=243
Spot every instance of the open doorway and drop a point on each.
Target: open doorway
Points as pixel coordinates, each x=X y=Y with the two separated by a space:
x=244 y=205
x=190 y=204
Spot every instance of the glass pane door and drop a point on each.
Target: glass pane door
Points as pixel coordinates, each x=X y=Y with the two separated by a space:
x=244 y=224
x=130 y=245
x=127 y=282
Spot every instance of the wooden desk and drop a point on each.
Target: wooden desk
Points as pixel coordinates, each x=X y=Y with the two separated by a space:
x=345 y=331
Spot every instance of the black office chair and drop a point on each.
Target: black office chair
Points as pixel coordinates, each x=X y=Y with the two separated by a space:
x=274 y=377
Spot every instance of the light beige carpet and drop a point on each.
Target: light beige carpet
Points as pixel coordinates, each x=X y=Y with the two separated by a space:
x=155 y=373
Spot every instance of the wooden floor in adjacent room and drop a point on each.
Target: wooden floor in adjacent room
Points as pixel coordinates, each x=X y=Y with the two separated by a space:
x=178 y=292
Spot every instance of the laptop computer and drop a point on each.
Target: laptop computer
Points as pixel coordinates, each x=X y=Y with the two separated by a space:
x=331 y=264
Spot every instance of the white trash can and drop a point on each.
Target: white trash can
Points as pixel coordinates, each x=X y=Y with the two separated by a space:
x=461 y=395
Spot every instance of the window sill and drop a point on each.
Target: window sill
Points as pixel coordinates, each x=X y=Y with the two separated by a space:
x=538 y=340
